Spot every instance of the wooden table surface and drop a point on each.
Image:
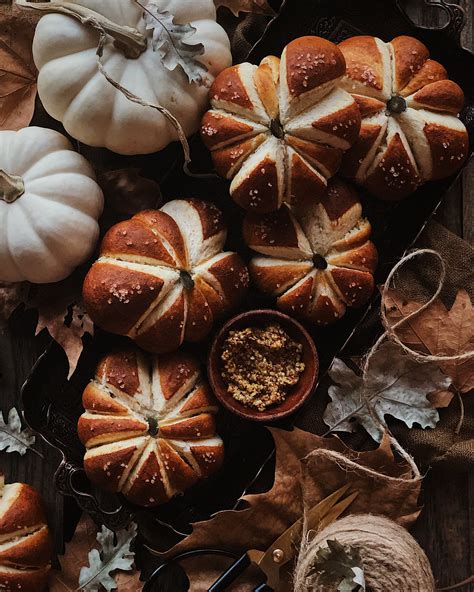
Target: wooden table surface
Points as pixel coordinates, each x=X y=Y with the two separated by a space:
x=445 y=528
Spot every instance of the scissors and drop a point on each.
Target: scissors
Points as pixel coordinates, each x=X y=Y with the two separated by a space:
x=278 y=554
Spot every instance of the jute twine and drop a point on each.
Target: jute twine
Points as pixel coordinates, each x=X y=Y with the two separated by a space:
x=391 y=558
x=390 y=332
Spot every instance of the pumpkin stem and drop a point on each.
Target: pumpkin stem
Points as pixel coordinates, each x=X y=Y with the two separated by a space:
x=11 y=187
x=130 y=41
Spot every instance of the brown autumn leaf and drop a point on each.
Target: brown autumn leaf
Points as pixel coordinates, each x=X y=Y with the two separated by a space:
x=438 y=331
x=127 y=192
x=61 y=313
x=11 y=296
x=256 y=6
x=17 y=69
x=385 y=487
x=76 y=556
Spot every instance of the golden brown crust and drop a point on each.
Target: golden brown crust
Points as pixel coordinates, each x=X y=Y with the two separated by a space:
x=180 y=475
x=219 y=129
x=409 y=56
x=120 y=370
x=444 y=95
x=24 y=511
x=228 y=87
x=208 y=458
x=344 y=123
x=268 y=229
x=362 y=256
x=363 y=61
x=97 y=401
x=191 y=428
x=355 y=287
x=26 y=550
x=116 y=298
x=257 y=192
x=201 y=398
x=395 y=176
x=325 y=159
x=95 y=429
x=310 y=63
x=355 y=157
x=199 y=318
x=106 y=466
x=233 y=278
x=148 y=485
x=297 y=300
x=275 y=279
x=266 y=79
x=175 y=371
x=32 y=551
x=305 y=183
x=164 y=227
x=25 y=581
x=430 y=72
x=166 y=332
x=133 y=238
x=338 y=199
x=368 y=106
x=449 y=149
x=227 y=161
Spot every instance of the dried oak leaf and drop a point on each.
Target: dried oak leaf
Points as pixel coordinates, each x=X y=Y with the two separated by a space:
x=11 y=296
x=439 y=332
x=256 y=6
x=127 y=192
x=76 y=556
x=173 y=42
x=66 y=320
x=17 y=69
x=12 y=437
x=339 y=565
x=395 y=385
x=308 y=468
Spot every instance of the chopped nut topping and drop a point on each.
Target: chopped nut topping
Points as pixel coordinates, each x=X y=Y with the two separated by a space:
x=260 y=365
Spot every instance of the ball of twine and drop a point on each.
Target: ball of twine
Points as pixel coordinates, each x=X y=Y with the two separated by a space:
x=391 y=558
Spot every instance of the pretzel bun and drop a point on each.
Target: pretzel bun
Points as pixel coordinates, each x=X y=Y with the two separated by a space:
x=315 y=260
x=162 y=277
x=25 y=544
x=410 y=131
x=279 y=130
x=148 y=426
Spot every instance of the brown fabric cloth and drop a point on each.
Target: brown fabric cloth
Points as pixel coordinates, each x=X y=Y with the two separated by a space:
x=440 y=446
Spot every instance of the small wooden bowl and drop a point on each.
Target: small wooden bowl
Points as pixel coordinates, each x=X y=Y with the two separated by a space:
x=296 y=396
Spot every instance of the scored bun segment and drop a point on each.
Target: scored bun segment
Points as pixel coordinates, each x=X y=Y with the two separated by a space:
x=157 y=436
x=25 y=542
x=162 y=277
x=315 y=260
x=410 y=131
x=278 y=130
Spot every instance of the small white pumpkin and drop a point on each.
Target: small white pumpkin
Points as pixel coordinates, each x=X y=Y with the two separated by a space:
x=49 y=206
x=92 y=110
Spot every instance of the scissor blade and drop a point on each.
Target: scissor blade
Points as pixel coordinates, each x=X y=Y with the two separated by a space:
x=286 y=541
x=320 y=519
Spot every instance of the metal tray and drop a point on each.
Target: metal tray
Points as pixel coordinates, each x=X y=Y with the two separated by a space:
x=52 y=405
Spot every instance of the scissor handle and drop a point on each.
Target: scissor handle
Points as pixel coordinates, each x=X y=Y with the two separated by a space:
x=229 y=576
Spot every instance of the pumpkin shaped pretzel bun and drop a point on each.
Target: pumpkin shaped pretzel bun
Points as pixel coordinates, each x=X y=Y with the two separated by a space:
x=280 y=129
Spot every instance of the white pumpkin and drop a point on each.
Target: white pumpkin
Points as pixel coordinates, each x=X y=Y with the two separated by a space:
x=49 y=206
x=92 y=110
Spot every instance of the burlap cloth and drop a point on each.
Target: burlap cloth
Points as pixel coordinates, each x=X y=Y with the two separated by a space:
x=439 y=446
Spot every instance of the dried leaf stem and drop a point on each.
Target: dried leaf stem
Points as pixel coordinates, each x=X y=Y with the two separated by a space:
x=125 y=37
